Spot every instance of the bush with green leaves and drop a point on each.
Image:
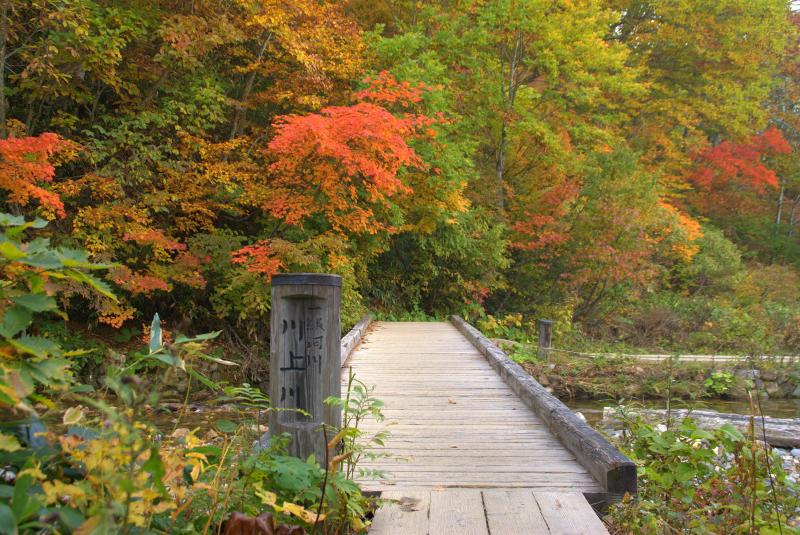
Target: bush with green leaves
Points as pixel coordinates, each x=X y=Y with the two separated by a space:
x=719 y=383
x=32 y=275
x=91 y=462
x=692 y=480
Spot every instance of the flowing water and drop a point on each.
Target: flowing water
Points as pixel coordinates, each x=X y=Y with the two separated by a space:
x=777 y=408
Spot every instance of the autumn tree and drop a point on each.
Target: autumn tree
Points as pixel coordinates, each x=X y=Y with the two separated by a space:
x=709 y=67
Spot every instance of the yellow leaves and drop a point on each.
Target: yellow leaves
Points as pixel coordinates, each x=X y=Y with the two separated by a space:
x=59 y=492
x=338 y=460
x=303 y=514
x=72 y=416
x=35 y=472
x=9 y=443
x=309 y=48
x=267 y=497
x=681 y=232
x=271 y=499
x=88 y=527
x=357 y=524
x=197 y=461
x=337 y=439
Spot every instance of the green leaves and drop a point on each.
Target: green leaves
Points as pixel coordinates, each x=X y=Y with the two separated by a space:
x=36 y=346
x=15 y=320
x=226 y=426
x=8 y=524
x=685 y=470
x=155 y=334
x=155 y=467
x=36 y=269
x=35 y=302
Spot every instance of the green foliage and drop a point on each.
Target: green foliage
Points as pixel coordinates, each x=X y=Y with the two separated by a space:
x=719 y=383
x=111 y=472
x=357 y=406
x=33 y=274
x=697 y=481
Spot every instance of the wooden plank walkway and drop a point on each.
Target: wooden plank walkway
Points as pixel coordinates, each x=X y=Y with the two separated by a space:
x=485 y=512
x=466 y=455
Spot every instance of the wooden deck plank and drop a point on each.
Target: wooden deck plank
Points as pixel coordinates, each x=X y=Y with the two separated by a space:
x=513 y=512
x=484 y=511
x=457 y=512
x=405 y=512
x=453 y=420
x=568 y=514
x=466 y=455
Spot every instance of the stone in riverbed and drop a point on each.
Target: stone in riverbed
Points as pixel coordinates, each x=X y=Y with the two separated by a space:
x=769 y=375
x=773 y=389
x=795 y=453
x=747 y=374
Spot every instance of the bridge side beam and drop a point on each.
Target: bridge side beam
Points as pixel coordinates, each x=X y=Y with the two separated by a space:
x=613 y=470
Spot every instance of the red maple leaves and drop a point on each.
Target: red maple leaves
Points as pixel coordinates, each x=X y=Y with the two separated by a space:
x=258 y=258
x=25 y=164
x=340 y=162
x=741 y=163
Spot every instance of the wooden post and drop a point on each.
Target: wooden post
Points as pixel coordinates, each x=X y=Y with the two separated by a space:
x=545 y=335
x=305 y=359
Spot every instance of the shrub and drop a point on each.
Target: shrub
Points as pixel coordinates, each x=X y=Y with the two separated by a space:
x=697 y=481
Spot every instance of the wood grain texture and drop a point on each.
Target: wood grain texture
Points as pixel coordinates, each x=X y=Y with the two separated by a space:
x=613 y=470
x=305 y=360
x=513 y=512
x=568 y=514
x=454 y=422
x=457 y=512
x=403 y=513
x=467 y=456
x=484 y=511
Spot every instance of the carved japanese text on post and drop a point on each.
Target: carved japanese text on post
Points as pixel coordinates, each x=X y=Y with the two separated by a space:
x=301 y=360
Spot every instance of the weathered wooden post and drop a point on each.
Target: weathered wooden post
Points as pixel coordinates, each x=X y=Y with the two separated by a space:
x=545 y=336
x=305 y=359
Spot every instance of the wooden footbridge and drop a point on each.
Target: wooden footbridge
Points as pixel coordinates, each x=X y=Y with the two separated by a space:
x=476 y=446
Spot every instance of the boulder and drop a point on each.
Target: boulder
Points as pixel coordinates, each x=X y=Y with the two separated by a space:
x=773 y=389
x=750 y=374
x=769 y=375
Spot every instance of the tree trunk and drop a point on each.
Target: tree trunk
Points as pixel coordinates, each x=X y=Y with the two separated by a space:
x=3 y=42
x=238 y=116
x=500 y=167
x=779 y=211
x=793 y=215
x=514 y=58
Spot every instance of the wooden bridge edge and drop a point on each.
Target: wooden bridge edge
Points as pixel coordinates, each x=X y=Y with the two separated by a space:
x=353 y=337
x=615 y=472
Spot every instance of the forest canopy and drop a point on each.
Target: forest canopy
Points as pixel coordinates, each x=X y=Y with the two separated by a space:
x=625 y=167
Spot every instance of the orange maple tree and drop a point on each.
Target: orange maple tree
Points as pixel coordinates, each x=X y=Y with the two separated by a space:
x=339 y=168
x=25 y=165
x=741 y=163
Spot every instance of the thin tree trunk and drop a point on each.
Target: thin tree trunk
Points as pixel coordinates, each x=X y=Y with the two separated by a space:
x=511 y=93
x=793 y=215
x=238 y=116
x=3 y=42
x=779 y=211
x=500 y=167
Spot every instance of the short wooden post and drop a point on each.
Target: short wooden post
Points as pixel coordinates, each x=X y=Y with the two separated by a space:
x=305 y=359
x=545 y=336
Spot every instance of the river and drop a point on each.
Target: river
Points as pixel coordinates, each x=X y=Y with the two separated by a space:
x=777 y=408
